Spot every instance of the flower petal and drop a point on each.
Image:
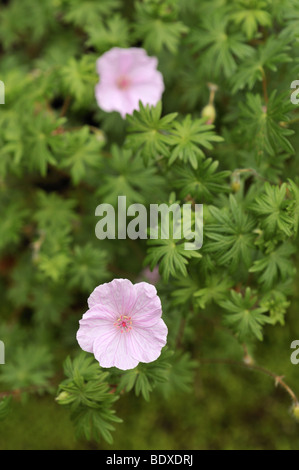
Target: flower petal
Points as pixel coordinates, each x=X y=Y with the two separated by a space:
x=117 y=296
x=95 y=323
x=147 y=309
x=110 y=98
x=145 y=344
x=115 y=353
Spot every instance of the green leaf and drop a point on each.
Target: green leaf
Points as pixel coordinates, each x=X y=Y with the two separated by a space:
x=272 y=208
x=245 y=317
x=149 y=132
x=219 y=46
x=188 y=137
x=251 y=17
x=231 y=237
x=274 y=265
x=202 y=184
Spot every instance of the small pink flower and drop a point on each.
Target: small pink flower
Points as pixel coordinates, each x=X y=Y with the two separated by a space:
x=127 y=76
x=123 y=325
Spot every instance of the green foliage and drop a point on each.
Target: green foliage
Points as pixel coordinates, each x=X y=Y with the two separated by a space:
x=29 y=366
x=149 y=131
x=90 y=398
x=61 y=156
x=244 y=316
x=5 y=407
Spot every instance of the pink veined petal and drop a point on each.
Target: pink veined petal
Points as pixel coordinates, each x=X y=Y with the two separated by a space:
x=118 y=61
x=147 y=92
x=145 y=344
x=132 y=66
x=117 y=296
x=115 y=353
x=147 y=309
x=94 y=324
x=145 y=71
x=110 y=98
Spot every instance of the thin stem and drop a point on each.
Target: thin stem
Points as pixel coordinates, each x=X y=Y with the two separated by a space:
x=265 y=86
x=253 y=172
x=65 y=106
x=277 y=378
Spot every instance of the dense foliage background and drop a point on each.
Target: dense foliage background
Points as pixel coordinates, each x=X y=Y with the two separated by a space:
x=226 y=136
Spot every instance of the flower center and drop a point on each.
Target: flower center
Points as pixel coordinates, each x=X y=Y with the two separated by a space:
x=123 y=323
x=123 y=83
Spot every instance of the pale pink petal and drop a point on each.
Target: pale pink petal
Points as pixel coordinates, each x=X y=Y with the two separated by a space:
x=117 y=296
x=115 y=353
x=110 y=98
x=148 y=93
x=123 y=325
x=147 y=309
x=95 y=323
x=127 y=76
x=145 y=344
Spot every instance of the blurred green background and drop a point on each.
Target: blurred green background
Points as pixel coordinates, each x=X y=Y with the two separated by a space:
x=230 y=407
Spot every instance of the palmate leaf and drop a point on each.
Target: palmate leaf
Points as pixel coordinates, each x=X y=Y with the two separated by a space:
x=269 y=55
x=88 y=394
x=17 y=24
x=221 y=47
x=88 y=267
x=245 y=317
x=94 y=424
x=185 y=289
x=168 y=246
x=277 y=304
x=105 y=35
x=13 y=216
x=145 y=377
x=40 y=141
x=274 y=265
x=273 y=209
x=89 y=12
x=156 y=32
x=187 y=138
x=215 y=289
x=250 y=15
x=149 y=132
x=261 y=124
x=79 y=78
x=80 y=151
x=180 y=376
x=54 y=265
x=171 y=256
x=124 y=174
x=202 y=183
x=231 y=237
x=28 y=366
x=54 y=213
x=291 y=20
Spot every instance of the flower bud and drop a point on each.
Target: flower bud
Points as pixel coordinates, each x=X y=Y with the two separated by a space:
x=235 y=182
x=209 y=112
x=62 y=397
x=295 y=411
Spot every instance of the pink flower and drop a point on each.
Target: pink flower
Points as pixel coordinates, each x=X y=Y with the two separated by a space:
x=123 y=325
x=127 y=76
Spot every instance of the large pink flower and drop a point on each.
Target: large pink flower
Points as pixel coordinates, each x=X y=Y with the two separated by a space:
x=123 y=325
x=127 y=76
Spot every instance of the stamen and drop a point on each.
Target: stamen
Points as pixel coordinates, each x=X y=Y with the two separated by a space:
x=123 y=323
x=123 y=83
